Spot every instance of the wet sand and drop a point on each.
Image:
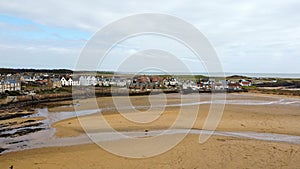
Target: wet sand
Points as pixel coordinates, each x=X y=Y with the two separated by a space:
x=243 y=113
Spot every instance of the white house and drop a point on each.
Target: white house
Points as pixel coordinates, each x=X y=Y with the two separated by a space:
x=64 y=81
x=170 y=82
x=190 y=85
x=83 y=81
x=244 y=82
x=69 y=82
x=88 y=81
x=28 y=79
x=93 y=81
x=221 y=85
x=106 y=82
x=173 y=82
x=121 y=83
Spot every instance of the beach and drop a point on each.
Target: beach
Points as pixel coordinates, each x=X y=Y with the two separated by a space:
x=245 y=117
x=217 y=152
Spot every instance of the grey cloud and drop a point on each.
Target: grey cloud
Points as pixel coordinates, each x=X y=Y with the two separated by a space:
x=243 y=32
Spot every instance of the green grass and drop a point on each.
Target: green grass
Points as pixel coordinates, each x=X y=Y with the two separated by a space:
x=249 y=87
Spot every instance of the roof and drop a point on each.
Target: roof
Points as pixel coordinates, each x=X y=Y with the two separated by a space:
x=233 y=84
x=11 y=81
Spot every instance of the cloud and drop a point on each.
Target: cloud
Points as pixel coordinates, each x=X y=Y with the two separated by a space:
x=245 y=34
x=37 y=57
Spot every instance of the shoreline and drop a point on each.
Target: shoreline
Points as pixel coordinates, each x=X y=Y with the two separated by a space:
x=113 y=136
x=30 y=102
x=44 y=99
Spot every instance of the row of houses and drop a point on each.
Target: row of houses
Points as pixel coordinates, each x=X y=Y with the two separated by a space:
x=94 y=81
x=10 y=85
x=13 y=83
x=115 y=81
x=145 y=82
x=211 y=84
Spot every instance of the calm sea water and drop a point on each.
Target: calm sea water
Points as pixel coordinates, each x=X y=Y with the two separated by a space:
x=273 y=75
x=257 y=75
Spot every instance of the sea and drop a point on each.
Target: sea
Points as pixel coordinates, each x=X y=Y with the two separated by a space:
x=253 y=75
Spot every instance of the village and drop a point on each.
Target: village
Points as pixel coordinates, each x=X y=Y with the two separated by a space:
x=28 y=84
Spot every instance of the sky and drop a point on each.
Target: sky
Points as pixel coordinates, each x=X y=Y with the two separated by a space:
x=249 y=36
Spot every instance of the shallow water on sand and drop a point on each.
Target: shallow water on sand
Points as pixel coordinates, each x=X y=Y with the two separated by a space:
x=46 y=137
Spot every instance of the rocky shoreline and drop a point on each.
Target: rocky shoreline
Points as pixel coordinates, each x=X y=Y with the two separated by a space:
x=24 y=101
x=16 y=121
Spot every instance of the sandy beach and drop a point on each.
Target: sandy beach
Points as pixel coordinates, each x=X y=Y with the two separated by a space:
x=269 y=118
x=242 y=113
x=217 y=152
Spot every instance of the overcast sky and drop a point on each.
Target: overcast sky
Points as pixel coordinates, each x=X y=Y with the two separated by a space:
x=249 y=36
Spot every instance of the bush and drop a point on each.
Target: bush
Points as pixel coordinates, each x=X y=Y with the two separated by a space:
x=12 y=93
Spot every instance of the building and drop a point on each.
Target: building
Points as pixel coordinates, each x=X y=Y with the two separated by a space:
x=244 y=83
x=56 y=83
x=88 y=81
x=10 y=85
x=220 y=85
x=1 y=87
x=234 y=87
x=27 y=78
x=69 y=82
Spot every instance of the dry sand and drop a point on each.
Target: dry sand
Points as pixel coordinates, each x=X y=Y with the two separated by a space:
x=217 y=152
